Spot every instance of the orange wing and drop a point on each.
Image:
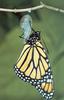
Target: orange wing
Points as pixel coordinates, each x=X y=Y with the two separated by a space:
x=33 y=66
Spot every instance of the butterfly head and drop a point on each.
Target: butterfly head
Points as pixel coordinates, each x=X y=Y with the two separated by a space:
x=33 y=38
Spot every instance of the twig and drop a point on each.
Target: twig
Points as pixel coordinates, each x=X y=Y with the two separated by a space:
x=22 y=10
x=42 y=5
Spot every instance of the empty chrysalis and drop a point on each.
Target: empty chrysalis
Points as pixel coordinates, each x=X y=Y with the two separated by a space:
x=26 y=24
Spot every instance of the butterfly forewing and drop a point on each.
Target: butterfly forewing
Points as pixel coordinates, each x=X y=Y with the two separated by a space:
x=33 y=66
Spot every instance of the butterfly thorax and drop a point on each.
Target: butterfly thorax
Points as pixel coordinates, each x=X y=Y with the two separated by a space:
x=33 y=38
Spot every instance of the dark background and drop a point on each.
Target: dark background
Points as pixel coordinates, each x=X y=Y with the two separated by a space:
x=51 y=25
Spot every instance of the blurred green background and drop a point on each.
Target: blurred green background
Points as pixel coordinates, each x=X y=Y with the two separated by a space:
x=51 y=25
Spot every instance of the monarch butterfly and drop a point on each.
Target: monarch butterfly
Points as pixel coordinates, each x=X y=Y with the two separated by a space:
x=33 y=66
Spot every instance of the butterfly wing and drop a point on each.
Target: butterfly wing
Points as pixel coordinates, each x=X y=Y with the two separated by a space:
x=45 y=85
x=33 y=66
